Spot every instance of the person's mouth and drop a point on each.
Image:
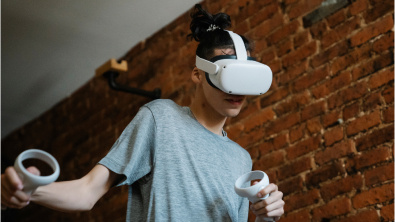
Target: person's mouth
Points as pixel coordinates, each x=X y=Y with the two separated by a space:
x=235 y=101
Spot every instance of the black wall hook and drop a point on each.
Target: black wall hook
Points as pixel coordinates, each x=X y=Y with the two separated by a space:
x=111 y=76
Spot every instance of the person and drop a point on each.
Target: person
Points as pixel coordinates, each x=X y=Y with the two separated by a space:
x=178 y=162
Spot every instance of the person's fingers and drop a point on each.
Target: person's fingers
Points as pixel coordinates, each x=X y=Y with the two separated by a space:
x=34 y=170
x=267 y=190
x=11 y=179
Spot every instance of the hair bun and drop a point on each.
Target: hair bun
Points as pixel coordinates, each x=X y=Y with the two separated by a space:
x=203 y=22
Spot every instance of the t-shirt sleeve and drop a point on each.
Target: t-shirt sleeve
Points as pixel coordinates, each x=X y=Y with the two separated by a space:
x=132 y=154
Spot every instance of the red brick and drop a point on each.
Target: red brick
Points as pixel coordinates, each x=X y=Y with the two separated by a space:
x=372 y=102
x=292 y=185
x=283 y=123
x=314 y=125
x=297 y=201
x=358 y=6
x=310 y=78
x=264 y=14
x=300 y=54
x=351 y=111
x=352 y=57
x=372 y=30
x=333 y=135
x=313 y=110
x=332 y=209
x=284 y=47
x=363 y=123
x=337 y=18
x=303 y=215
x=381 y=78
x=283 y=32
x=297 y=133
x=332 y=153
x=301 y=39
x=318 y=29
x=379 y=174
x=292 y=72
x=340 y=32
x=325 y=173
x=292 y=104
x=387 y=212
x=341 y=186
x=258 y=119
x=364 y=216
x=388 y=94
x=347 y=95
x=303 y=147
x=266 y=27
x=294 y=168
x=270 y=160
x=384 y=43
x=275 y=96
x=384 y=60
x=379 y=9
x=303 y=7
x=331 y=118
x=375 y=138
x=323 y=57
x=332 y=85
x=388 y=115
x=372 y=157
x=275 y=143
x=373 y=196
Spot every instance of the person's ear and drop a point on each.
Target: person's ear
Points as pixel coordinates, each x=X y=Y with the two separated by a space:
x=197 y=75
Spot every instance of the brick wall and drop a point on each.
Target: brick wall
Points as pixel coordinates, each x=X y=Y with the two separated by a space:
x=323 y=133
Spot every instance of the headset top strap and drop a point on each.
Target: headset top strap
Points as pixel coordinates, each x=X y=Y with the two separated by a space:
x=241 y=51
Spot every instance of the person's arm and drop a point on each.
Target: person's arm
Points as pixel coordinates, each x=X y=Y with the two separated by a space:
x=75 y=195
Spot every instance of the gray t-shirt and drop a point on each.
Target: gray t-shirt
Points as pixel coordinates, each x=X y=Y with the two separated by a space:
x=176 y=169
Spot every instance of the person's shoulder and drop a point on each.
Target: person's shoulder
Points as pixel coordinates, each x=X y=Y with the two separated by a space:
x=161 y=104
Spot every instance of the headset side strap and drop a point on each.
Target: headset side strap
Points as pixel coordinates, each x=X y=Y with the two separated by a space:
x=206 y=65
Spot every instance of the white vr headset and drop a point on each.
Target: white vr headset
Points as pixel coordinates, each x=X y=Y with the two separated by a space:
x=236 y=74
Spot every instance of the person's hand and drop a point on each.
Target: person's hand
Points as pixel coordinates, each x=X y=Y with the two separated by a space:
x=11 y=189
x=272 y=206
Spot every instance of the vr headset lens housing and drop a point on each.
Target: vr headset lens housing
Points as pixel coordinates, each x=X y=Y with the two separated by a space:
x=238 y=75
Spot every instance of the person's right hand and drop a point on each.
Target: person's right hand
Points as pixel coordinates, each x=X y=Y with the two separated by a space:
x=11 y=189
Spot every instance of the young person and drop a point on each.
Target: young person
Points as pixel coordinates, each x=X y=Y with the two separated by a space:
x=178 y=162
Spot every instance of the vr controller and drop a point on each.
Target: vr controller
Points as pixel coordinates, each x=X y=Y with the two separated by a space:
x=238 y=75
x=252 y=191
x=29 y=180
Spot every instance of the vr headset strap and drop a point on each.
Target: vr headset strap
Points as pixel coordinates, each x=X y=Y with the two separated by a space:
x=206 y=65
x=241 y=51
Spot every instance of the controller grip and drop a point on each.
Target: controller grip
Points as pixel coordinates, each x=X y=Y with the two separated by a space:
x=252 y=191
x=29 y=180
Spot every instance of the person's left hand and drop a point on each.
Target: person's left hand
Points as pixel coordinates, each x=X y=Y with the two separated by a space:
x=272 y=206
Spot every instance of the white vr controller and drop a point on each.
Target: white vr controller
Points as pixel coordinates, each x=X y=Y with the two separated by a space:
x=29 y=180
x=252 y=191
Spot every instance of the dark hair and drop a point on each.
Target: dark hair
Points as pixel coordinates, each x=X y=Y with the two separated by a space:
x=211 y=39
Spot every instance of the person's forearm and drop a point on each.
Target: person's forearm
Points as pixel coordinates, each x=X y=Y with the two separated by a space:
x=65 y=196
x=76 y=195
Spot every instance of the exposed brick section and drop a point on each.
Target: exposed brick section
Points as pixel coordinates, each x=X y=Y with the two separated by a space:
x=374 y=29
x=324 y=173
x=303 y=147
x=368 y=215
x=363 y=123
x=324 y=132
x=374 y=195
x=379 y=174
x=297 y=201
x=339 y=150
x=333 y=208
x=387 y=212
x=338 y=187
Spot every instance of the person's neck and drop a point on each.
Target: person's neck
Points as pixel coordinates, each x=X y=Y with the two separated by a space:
x=208 y=117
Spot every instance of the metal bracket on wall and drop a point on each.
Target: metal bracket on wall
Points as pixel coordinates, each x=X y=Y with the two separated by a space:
x=111 y=70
